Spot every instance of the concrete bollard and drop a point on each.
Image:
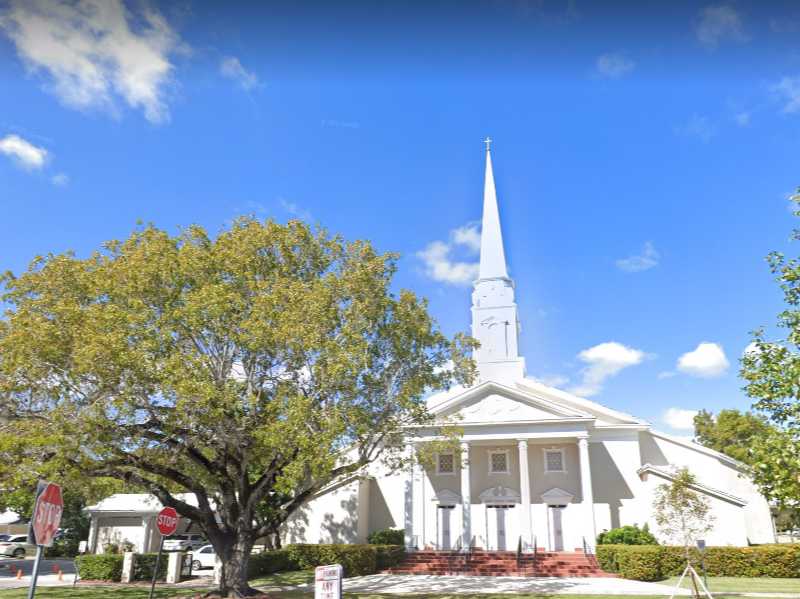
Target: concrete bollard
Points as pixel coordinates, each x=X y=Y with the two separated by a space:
x=174 y=567
x=128 y=561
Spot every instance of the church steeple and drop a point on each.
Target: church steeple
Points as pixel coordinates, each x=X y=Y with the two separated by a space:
x=493 y=257
x=494 y=313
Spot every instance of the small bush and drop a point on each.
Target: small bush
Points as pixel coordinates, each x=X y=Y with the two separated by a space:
x=269 y=562
x=387 y=536
x=388 y=556
x=105 y=566
x=627 y=535
x=145 y=563
x=645 y=562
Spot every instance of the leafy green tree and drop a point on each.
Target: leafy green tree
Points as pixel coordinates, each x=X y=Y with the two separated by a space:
x=682 y=514
x=730 y=432
x=772 y=370
x=252 y=369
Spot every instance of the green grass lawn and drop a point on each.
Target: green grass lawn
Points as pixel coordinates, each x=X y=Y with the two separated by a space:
x=717 y=584
x=283 y=579
x=99 y=592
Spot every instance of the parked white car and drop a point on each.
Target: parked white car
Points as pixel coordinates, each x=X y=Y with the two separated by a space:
x=205 y=557
x=16 y=546
x=184 y=542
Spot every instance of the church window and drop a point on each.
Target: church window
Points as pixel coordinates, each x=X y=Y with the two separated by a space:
x=445 y=463
x=498 y=462
x=554 y=460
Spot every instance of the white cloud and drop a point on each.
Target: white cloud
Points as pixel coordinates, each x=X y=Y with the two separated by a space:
x=604 y=361
x=788 y=90
x=614 y=65
x=60 y=179
x=232 y=68
x=644 y=261
x=715 y=24
x=438 y=261
x=698 y=126
x=667 y=374
x=679 y=419
x=23 y=152
x=707 y=360
x=96 y=51
x=551 y=380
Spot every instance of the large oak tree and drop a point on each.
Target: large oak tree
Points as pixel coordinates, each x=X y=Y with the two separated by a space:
x=251 y=369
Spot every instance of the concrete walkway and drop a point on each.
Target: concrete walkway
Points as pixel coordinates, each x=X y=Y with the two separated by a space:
x=403 y=583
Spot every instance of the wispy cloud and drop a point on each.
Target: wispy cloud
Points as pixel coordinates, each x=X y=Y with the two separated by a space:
x=94 y=52
x=719 y=23
x=679 y=419
x=438 y=261
x=295 y=210
x=24 y=154
x=604 y=361
x=334 y=124
x=614 y=65
x=231 y=68
x=699 y=127
x=742 y=118
x=637 y=263
x=706 y=361
x=788 y=91
x=60 y=179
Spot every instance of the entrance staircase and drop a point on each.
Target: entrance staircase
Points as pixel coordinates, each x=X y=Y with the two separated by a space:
x=478 y=562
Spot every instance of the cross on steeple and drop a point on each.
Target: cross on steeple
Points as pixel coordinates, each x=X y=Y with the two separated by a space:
x=488 y=142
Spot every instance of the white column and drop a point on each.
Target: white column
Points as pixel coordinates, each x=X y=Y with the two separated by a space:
x=418 y=510
x=586 y=489
x=466 y=503
x=525 y=493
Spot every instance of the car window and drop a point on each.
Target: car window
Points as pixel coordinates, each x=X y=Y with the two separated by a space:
x=178 y=537
x=207 y=550
x=19 y=539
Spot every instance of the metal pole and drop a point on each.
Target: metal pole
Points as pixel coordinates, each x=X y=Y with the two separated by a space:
x=155 y=570
x=35 y=575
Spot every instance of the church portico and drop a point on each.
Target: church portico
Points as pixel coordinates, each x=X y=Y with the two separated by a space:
x=496 y=493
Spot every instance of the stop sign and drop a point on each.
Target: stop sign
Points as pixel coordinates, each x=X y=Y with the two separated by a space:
x=47 y=514
x=167 y=521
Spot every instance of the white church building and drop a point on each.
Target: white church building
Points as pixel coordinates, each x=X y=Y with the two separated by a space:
x=537 y=466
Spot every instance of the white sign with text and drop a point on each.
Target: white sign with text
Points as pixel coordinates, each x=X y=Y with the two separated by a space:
x=328 y=582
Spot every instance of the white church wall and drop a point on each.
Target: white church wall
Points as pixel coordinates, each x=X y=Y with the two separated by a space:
x=542 y=481
x=331 y=517
x=615 y=483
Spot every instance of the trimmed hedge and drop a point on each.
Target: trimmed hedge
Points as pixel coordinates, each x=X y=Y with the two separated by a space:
x=627 y=535
x=104 y=566
x=145 y=563
x=269 y=562
x=646 y=562
x=356 y=560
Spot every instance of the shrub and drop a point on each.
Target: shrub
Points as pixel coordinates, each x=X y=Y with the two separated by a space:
x=387 y=536
x=145 y=563
x=105 y=566
x=646 y=562
x=356 y=560
x=627 y=535
x=268 y=562
x=388 y=556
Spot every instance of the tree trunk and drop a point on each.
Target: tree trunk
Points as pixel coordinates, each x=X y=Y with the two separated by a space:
x=235 y=556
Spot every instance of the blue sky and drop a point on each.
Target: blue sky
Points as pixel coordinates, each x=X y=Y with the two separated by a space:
x=643 y=156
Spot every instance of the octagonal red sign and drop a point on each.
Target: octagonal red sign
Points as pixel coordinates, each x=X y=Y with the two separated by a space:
x=167 y=521
x=47 y=514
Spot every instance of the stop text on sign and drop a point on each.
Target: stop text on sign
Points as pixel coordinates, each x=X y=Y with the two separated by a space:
x=167 y=521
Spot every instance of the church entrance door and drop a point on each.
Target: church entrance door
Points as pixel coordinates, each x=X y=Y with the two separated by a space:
x=556 y=527
x=444 y=514
x=498 y=516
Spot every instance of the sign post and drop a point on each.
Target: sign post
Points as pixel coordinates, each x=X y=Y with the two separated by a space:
x=167 y=523
x=328 y=582
x=46 y=518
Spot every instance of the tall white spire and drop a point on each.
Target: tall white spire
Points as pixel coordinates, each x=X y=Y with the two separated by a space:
x=493 y=257
x=494 y=313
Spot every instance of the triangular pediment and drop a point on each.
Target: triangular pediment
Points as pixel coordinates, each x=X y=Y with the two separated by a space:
x=492 y=402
